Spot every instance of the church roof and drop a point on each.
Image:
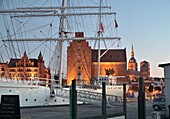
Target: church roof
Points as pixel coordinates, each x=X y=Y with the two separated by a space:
x=13 y=62
x=132 y=59
x=113 y=55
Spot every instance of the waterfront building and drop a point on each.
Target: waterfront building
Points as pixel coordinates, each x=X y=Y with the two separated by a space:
x=25 y=69
x=79 y=60
x=113 y=63
x=82 y=62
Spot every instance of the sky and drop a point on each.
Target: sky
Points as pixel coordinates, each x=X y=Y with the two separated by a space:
x=145 y=24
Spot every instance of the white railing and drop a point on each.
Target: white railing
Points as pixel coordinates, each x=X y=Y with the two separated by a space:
x=91 y=97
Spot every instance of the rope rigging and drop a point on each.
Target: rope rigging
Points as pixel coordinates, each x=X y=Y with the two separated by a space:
x=83 y=23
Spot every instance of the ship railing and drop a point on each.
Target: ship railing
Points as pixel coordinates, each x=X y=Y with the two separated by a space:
x=33 y=81
x=91 y=97
x=28 y=82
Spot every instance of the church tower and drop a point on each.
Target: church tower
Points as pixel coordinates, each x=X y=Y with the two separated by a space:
x=132 y=65
x=41 y=66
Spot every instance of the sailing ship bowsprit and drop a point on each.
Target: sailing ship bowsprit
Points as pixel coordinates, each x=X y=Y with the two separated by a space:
x=64 y=53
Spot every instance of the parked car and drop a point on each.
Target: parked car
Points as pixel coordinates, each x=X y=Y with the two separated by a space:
x=159 y=103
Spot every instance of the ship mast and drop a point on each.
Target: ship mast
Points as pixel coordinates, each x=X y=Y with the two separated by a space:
x=62 y=28
x=61 y=43
x=99 y=34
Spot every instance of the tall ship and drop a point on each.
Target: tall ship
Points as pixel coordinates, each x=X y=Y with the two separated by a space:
x=47 y=44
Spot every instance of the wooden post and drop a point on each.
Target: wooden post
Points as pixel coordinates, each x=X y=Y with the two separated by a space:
x=104 y=99
x=73 y=101
x=141 y=100
x=124 y=99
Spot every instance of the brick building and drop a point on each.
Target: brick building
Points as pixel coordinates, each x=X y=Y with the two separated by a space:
x=79 y=60
x=132 y=65
x=145 y=70
x=25 y=69
x=113 y=63
x=82 y=62
x=132 y=73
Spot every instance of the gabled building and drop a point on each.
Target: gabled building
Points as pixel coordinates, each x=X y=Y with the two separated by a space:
x=25 y=69
x=82 y=62
x=79 y=60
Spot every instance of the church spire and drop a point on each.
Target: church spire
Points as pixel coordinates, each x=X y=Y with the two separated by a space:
x=132 y=52
x=25 y=55
x=40 y=57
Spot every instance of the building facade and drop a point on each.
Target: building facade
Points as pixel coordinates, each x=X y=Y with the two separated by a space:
x=132 y=65
x=25 y=69
x=145 y=70
x=132 y=73
x=112 y=63
x=79 y=60
x=82 y=62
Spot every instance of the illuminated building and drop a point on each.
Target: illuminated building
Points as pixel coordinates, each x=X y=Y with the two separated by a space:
x=82 y=62
x=132 y=65
x=113 y=63
x=79 y=60
x=132 y=73
x=25 y=69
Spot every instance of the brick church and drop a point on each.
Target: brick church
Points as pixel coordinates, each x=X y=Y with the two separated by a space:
x=82 y=62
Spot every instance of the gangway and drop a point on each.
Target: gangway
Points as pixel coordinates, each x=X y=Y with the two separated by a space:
x=91 y=97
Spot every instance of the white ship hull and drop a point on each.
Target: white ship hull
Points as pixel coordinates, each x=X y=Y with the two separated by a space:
x=31 y=95
x=35 y=95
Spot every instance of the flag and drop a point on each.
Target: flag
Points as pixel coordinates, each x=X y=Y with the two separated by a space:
x=101 y=27
x=116 y=25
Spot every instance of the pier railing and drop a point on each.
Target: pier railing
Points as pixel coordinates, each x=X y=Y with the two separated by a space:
x=91 y=97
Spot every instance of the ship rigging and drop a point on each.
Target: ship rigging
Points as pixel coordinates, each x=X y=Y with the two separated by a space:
x=64 y=32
